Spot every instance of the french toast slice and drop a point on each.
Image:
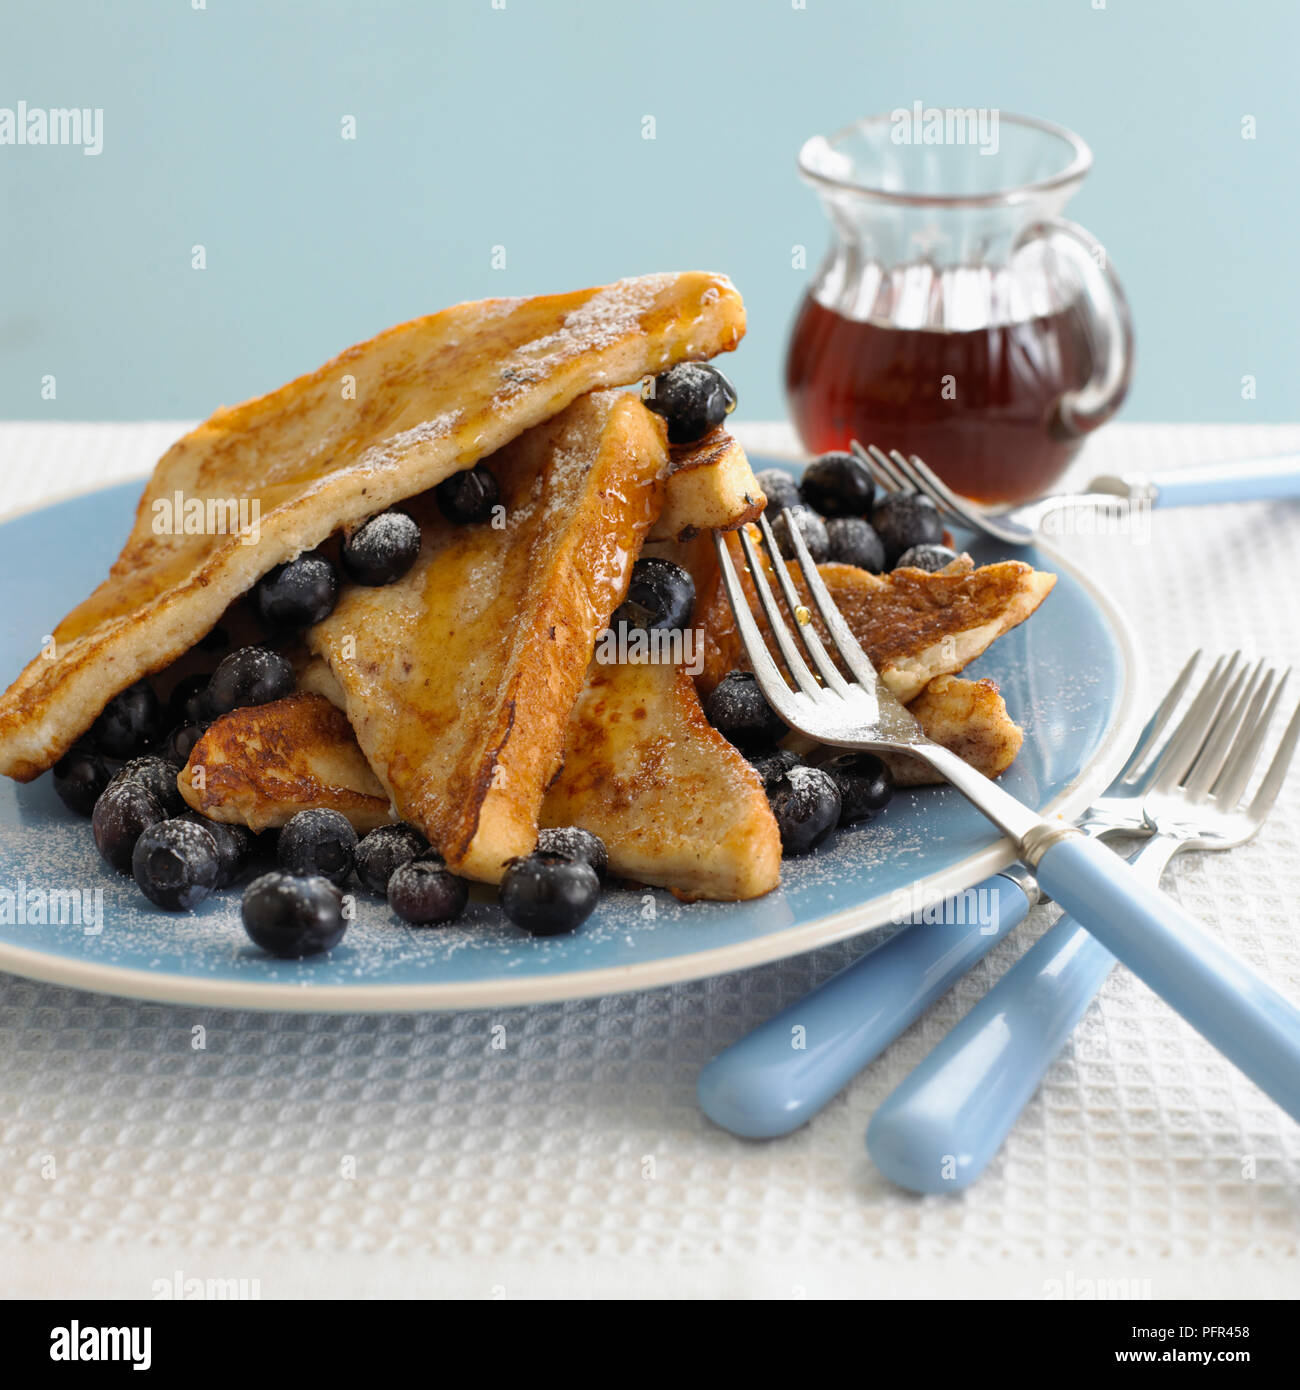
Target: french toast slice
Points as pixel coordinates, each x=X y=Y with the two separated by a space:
x=676 y=805
x=711 y=488
x=967 y=717
x=385 y=420
x=912 y=624
x=459 y=678
x=260 y=765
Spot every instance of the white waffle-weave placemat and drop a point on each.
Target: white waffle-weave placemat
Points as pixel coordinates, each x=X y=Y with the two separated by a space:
x=129 y=1160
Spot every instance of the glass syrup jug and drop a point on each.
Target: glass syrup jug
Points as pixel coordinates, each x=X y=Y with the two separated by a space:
x=957 y=316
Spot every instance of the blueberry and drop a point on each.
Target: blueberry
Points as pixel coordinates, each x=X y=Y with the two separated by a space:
x=838 y=485
x=425 y=892
x=779 y=488
x=926 y=557
x=318 y=842
x=854 y=542
x=249 y=676
x=661 y=595
x=905 y=519
x=381 y=853
x=806 y=804
x=185 y=704
x=864 y=783
x=739 y=711
x=575 y=843
x=694 y=397
x=175 y=864
x=381 y=550
x=128 y=723
x=811 y=527
x=298 y=594
x=469 y=496
x=292 y=916
x=772 y=765
x=80 y=777
x=156 y=775
x=122 y=814
x=547 y=894
x=234 y=846
x=179 y=744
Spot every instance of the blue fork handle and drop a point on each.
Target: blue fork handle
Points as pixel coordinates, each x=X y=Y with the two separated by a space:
x=780 y=1075
x=1262 y=481
x=941 y=1127
x=1219 y=995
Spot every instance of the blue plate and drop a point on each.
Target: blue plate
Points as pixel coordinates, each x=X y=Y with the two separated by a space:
x=1069 y=677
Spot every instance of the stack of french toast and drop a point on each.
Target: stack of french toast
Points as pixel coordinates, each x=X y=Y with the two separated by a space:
x=467 y=692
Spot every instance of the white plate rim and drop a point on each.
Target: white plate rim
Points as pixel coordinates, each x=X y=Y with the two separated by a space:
x=276 y=996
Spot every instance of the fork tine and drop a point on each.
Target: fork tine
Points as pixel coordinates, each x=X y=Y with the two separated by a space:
x=846 y=644
x=794 y=604
x=1231 y=783
x=929 y=482
x=920 y=485
x=885 y=468
x=1187 y=738
x=1156 y=724
x=1277 y=770
x=884 y=481
x=943 y=495
x=1228 y=728
x=795 y=664
x=770 y=680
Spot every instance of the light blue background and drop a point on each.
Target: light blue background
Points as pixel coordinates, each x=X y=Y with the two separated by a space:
x=522 y=127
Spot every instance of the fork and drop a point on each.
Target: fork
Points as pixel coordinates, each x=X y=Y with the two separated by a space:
x=1240 y=1014
x=1268 y=478
x=942 y=1126
x=763 y=1085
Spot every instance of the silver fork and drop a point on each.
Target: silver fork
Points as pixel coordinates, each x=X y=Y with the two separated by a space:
x=1242 y=1015
x=760 y=1087
x=894 y=472
x=1110 y=495
x=942 y=1126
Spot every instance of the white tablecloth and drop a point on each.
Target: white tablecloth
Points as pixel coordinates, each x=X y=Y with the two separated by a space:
x=127 y=1157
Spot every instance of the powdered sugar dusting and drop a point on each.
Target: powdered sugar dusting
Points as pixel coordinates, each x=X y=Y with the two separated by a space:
x=570 y=464
x=388 y=535
x=599 y=322
x=393 y=450
x=489 y=309
x=47 y=849
x=615 y=311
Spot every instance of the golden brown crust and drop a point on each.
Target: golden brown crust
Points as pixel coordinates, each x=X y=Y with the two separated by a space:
x=711 y=487
x=261 y=765
x=385 y=420
x=913 y=625
x=676 y=805
x=968 y=717
x=460 y=677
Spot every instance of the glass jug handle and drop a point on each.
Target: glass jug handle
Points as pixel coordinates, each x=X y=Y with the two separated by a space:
x=1107 y=323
